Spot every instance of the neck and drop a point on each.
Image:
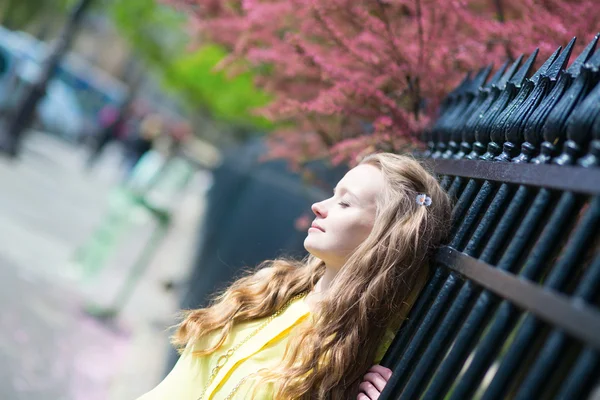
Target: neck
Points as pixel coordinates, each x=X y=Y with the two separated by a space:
x=321 y=287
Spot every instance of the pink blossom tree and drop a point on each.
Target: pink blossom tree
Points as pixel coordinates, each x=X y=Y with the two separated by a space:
x=351 y=76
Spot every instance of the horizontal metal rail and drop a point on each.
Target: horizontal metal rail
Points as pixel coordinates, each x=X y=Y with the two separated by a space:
x=577 y=318
x=559 y=177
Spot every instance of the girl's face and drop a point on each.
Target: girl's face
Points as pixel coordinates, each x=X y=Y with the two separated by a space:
x=344 y=221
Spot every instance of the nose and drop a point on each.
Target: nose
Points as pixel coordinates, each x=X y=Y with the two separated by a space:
x=319 y=210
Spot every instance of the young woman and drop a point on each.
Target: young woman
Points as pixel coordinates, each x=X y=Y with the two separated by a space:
x=314 y=329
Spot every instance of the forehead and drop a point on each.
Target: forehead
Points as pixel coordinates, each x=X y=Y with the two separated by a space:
x=365 y=181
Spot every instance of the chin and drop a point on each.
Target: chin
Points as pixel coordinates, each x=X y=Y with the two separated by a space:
x=310 y=247
x=307 y=245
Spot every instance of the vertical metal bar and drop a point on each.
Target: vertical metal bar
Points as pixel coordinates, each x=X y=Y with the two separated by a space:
x=443 y=295
x=504 y=318
x=446 y=181
x=394 y=352
x=458 y=308
x=515 y=209
x=438 y=341
x=463 y=204
x=401 y=372
x=579 y=241
x=456 y=188
x=507 y=313
x=550 y=353
x=450 y=366
x=472 y=215
x=493 y=213
x=582 y=376
x=393 y=356
x=508 y=218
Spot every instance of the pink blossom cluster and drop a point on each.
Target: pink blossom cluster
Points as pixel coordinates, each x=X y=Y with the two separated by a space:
x=356 y=75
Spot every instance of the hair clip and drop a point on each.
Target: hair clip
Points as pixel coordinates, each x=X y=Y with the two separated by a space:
x=423 y=200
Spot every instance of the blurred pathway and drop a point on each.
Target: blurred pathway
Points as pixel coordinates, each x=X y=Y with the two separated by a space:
x=50 y=349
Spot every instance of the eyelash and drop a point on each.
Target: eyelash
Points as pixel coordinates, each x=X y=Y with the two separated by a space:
x=344 y=205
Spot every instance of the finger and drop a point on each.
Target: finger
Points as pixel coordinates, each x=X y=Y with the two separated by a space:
x=369 y=390
x=362 y=396
x=377 y=380
x=381 y=370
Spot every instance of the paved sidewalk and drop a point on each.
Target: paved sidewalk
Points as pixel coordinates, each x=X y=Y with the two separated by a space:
x=49 y=348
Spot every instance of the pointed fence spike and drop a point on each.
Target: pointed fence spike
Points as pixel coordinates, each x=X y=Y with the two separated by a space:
x=480 y=78
x=561 y=62
x=520 y=76
x=464 y=84
x=498 y=74
x=457 y=91
x=594 y=60
x=583 y=56
x=545 y=66
x=510 y=72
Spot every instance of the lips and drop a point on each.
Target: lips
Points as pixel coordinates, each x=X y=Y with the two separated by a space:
x=316 y=226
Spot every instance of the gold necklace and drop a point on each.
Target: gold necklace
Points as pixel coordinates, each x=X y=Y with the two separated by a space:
x=222 y=360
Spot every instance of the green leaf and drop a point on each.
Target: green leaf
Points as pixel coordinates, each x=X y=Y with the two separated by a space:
x=228 y=98
x=156 y=32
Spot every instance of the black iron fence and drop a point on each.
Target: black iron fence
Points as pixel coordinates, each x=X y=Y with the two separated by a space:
x=512 y=307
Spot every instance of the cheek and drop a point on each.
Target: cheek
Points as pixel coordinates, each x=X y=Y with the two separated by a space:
x=355 y=233
x=363 y=230
x=339 y=241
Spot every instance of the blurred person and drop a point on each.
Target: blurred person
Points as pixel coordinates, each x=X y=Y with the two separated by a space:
x=314 y=328
x=179 y=133
x=113 y=126
x=140 y=141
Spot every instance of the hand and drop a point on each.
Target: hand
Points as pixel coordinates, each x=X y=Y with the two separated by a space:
x=373 y=383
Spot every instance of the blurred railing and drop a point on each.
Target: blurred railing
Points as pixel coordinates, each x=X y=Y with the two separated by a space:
x=512 y=307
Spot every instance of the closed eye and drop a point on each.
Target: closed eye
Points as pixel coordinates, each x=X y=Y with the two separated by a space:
x=343 y=204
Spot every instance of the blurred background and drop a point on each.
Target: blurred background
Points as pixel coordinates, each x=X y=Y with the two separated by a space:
x=151 y=150
x=132 y=184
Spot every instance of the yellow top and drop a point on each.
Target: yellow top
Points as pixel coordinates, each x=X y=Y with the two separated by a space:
x=190 y=375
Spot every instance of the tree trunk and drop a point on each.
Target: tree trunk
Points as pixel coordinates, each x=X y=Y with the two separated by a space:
x=25 y=112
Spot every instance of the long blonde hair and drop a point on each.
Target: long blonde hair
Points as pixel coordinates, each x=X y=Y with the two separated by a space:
x=372 y=292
